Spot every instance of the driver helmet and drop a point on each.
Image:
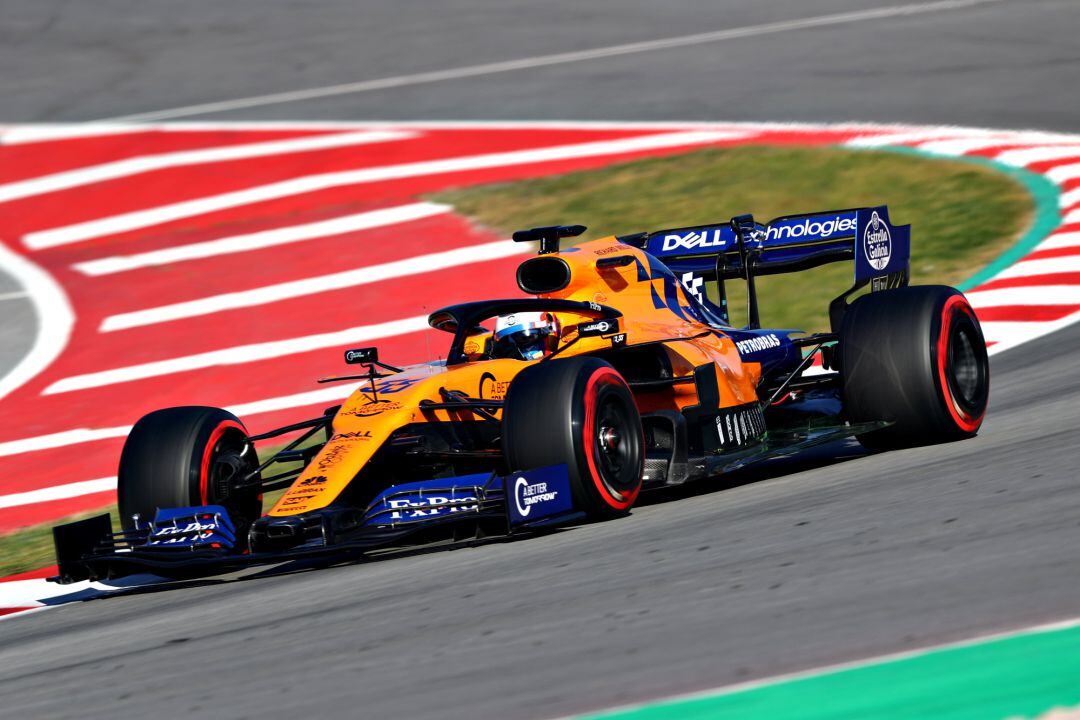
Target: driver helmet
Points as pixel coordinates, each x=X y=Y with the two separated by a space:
x=526 y=335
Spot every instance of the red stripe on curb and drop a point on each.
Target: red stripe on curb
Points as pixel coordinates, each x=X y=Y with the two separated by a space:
x=1052 y=253
x=26 y=160
x=1025 y=313
x=38 y=574
x=1063 y=278
x=12 y=611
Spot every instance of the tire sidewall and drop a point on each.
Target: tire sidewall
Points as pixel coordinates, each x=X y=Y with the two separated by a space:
x=544 y=418
x=894 y=348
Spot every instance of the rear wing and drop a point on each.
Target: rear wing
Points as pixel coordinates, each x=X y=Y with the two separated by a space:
x=742 y=249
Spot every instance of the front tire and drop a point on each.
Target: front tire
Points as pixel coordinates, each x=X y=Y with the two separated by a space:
x=578 y=411
x=185 y=457
x=916 y=357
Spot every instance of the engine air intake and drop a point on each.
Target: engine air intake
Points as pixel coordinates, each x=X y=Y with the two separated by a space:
x=544 y=274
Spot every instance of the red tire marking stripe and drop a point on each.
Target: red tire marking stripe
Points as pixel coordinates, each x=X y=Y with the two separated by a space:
x=602 y=376
x=968 y=424
x=208 y=452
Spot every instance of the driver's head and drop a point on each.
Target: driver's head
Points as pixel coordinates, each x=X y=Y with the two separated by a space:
x=526 y=335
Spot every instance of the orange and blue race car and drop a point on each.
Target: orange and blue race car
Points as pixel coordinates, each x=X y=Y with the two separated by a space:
x=619 y=371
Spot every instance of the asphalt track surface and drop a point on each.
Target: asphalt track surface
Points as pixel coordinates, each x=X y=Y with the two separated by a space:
x=790 y=568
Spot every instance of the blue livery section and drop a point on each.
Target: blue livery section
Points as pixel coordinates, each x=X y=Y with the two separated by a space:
x=428 y=499
x=881 y=248
x=772 y=348
x=529 y=497
x=207 y=526
x=536 y=495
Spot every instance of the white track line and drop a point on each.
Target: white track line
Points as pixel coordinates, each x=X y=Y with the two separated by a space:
x=58 y=492
x=557 y=59
x=162 y=161
x=238 y=355
x=16 y=295
x=725 y=690
x=313 y=285
x=55 y=319
x=264 y=239
x=311 y=183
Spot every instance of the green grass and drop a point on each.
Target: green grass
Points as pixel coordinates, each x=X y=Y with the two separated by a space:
x=963 y=214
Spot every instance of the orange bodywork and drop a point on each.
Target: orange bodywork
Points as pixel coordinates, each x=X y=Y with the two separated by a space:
x=362 y=425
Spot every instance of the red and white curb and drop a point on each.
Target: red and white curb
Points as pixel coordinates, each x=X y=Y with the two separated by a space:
x=30 y=592
x=225 y=263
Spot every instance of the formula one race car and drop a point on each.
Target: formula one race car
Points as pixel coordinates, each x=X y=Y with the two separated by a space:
x=620 y=372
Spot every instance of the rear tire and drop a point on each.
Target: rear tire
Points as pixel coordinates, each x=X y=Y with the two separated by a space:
x=184 y=457
x=578 y=411
x=916 y=357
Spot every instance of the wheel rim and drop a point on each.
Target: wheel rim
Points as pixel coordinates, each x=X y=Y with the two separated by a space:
x=614 y=443
x=226 y=460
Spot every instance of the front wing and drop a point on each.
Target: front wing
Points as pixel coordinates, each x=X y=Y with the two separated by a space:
x=193 y=542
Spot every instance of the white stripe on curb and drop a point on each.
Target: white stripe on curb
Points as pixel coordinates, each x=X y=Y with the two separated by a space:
x=237 y=355
x=74 y=437
x=191 y=208
x=1028 y=156
x=1034 y=295
x=259 y=240
x=58 y=492
x=1047 y=266
x=1060 y=240
x=314 y=285
x=148 y=163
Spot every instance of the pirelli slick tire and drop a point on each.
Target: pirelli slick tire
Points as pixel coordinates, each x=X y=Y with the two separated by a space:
x=187 y=456
x=578 y=411
x=916 y=357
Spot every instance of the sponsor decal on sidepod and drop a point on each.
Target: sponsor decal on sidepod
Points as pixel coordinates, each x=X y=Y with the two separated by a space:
x=756 y=344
